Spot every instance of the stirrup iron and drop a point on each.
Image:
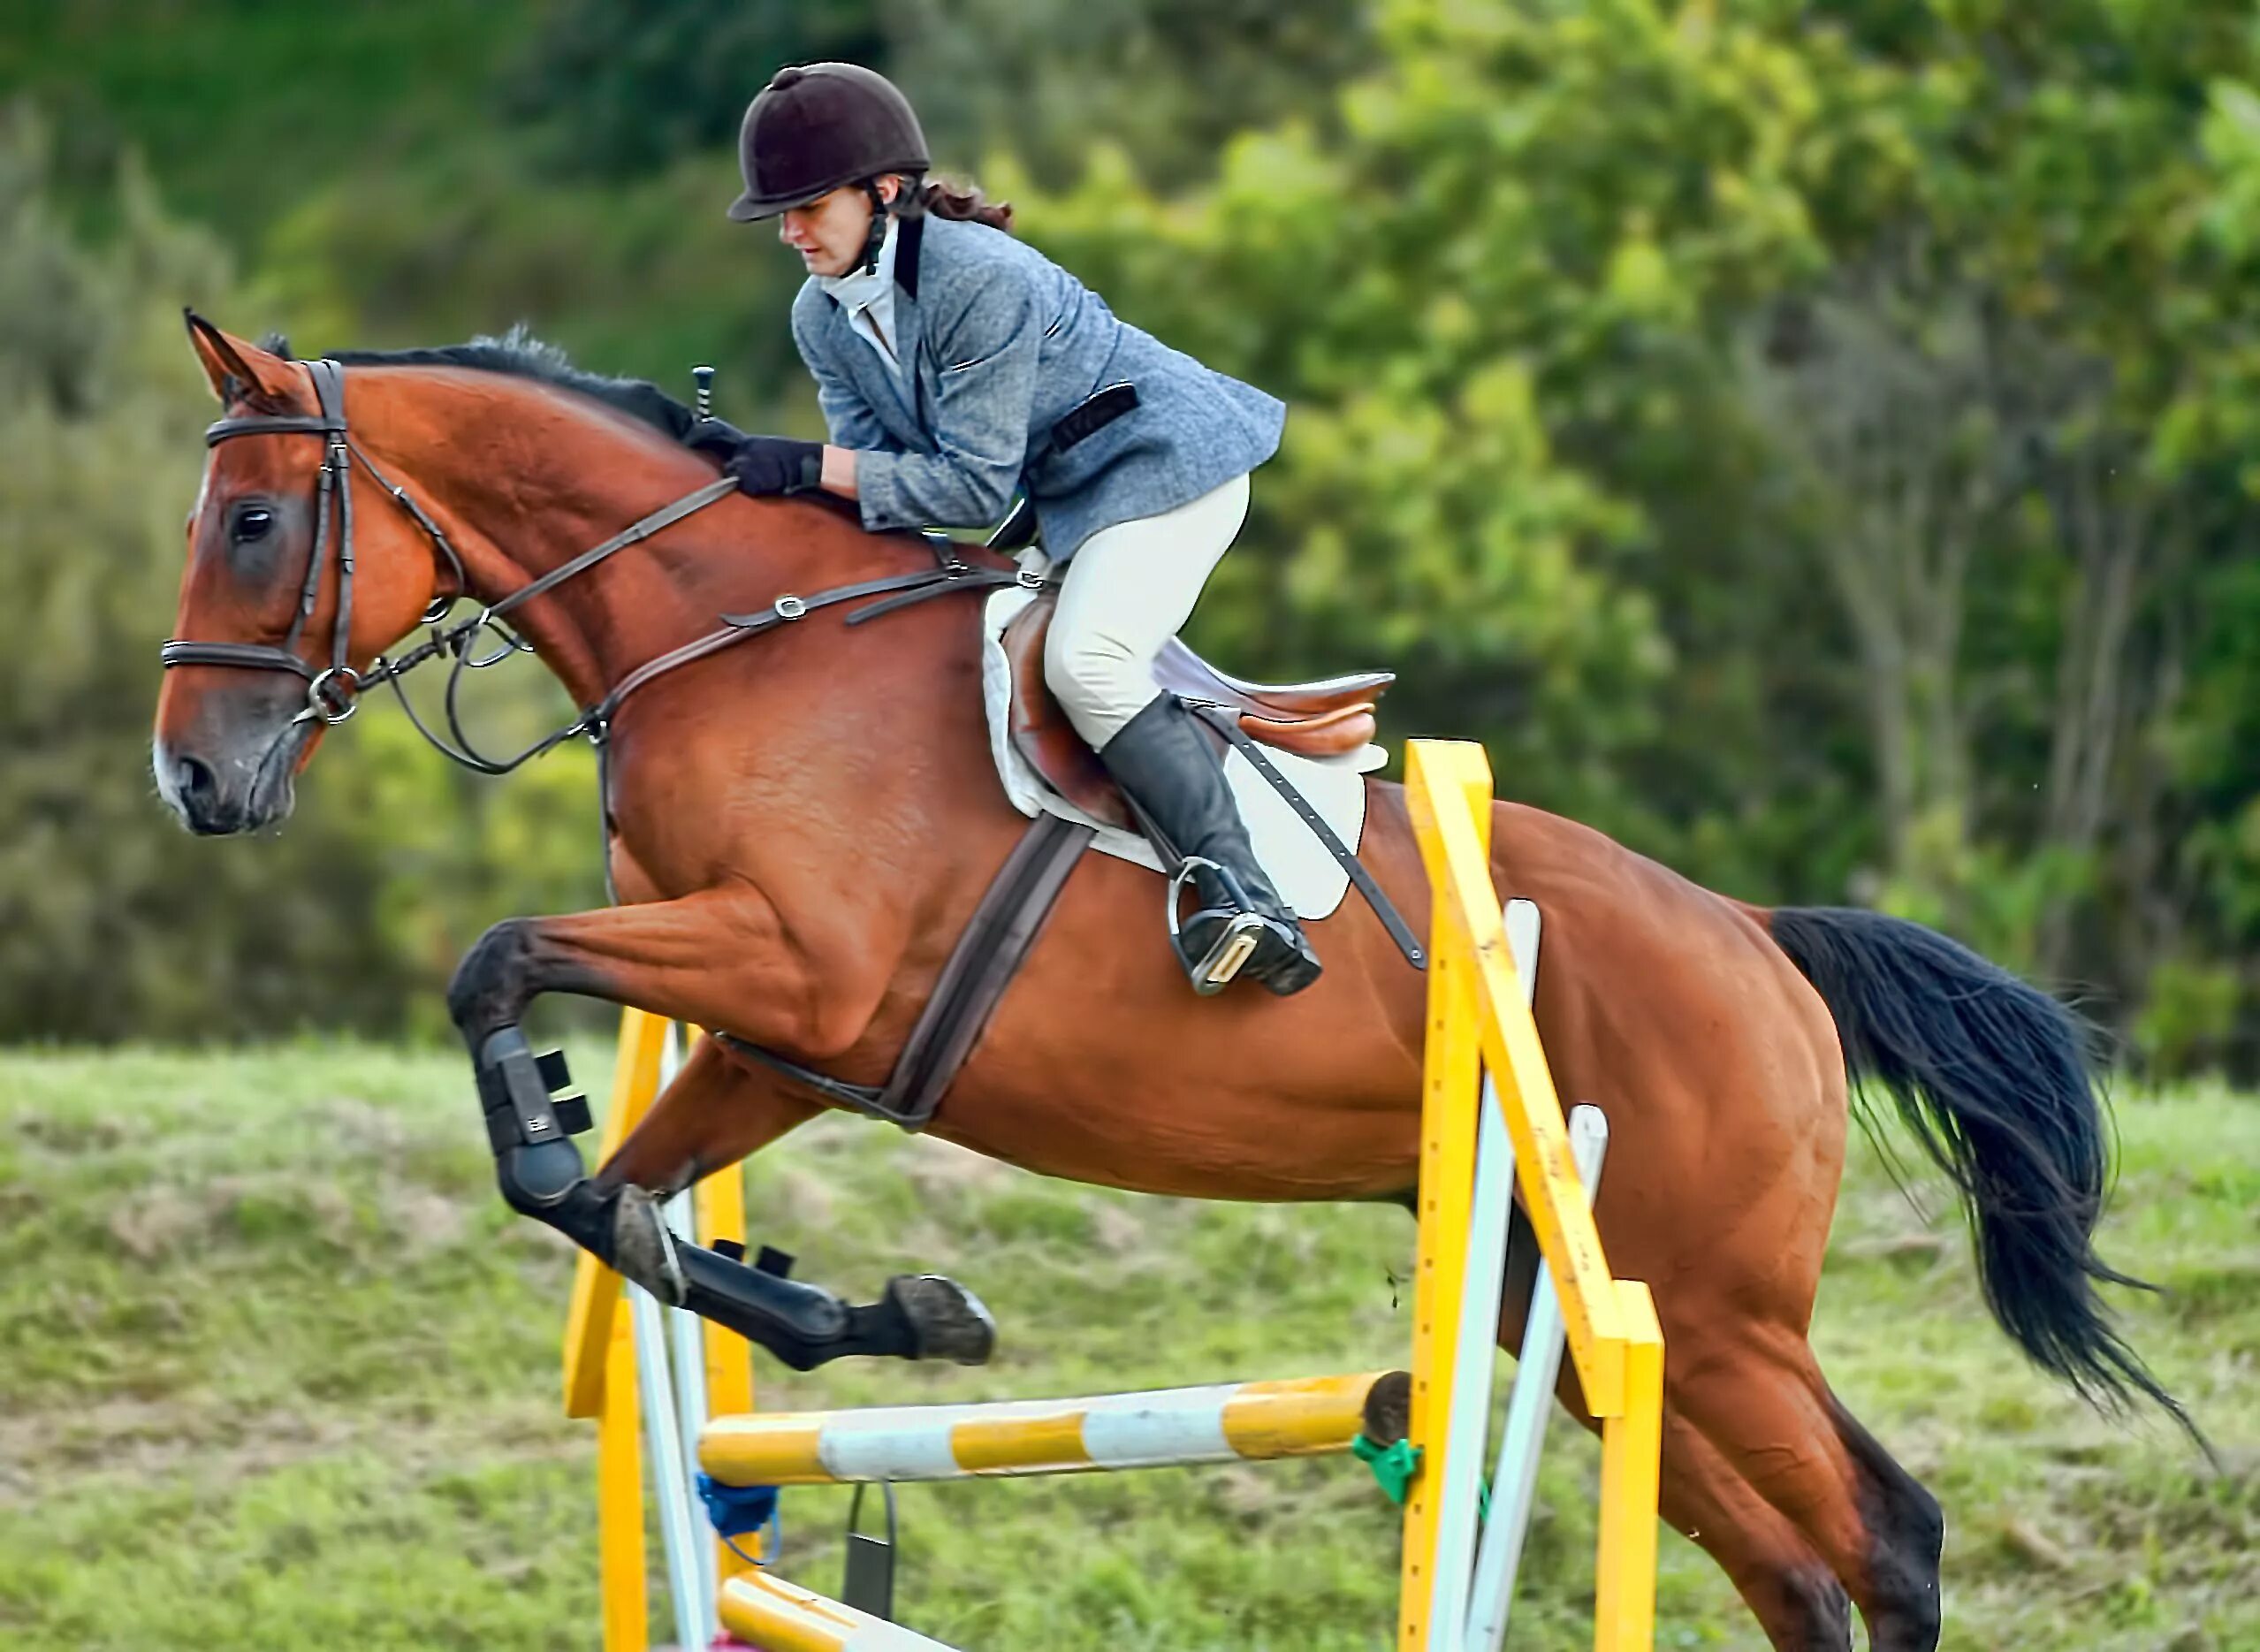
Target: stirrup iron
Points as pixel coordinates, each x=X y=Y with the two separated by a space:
x=1234 y=945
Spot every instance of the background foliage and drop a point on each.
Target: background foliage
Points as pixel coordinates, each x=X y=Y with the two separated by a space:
x=1812 y=444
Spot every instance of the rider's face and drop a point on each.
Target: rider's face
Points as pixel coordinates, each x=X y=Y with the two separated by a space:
x=829 y=232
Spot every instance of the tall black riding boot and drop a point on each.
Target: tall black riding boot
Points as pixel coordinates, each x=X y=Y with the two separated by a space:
x=1174 y=776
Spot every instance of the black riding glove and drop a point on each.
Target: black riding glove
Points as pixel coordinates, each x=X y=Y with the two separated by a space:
x=762 y=464
x=776 y=464
x=717 y=437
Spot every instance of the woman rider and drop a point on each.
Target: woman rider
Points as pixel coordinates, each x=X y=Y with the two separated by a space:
x=947 y=356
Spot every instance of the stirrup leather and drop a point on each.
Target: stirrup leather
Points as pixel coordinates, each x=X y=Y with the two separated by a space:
x=1236 y=942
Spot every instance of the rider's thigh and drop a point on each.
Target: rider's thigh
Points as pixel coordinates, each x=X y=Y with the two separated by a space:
x=1127 y=591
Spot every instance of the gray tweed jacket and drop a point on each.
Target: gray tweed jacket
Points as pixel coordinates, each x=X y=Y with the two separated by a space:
x=1003 y=342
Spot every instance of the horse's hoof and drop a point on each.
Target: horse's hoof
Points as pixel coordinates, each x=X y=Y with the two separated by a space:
x=947 y=1321
x=643 y=1247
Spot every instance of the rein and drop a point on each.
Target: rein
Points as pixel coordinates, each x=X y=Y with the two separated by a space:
x=334 y=691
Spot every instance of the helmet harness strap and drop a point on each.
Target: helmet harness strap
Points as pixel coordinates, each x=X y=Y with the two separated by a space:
x=876 y=238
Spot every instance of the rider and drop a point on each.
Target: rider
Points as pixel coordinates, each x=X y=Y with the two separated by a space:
x=957 y=366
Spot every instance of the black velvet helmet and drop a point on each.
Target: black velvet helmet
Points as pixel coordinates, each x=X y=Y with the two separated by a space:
x=817 y=126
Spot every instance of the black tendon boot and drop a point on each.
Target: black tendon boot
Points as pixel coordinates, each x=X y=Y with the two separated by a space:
x=924 y=1316
x=1174 y=776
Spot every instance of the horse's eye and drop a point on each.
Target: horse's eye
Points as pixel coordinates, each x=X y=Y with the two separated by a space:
x=253 y=523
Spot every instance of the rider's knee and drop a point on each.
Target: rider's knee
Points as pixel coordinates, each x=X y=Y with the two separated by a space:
x=1098 y=680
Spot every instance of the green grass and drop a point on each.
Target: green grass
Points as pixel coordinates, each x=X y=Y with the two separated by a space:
x=278 y=1370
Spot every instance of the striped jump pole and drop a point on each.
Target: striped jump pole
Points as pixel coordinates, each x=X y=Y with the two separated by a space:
x=764 y=1611
x=1163 y=1428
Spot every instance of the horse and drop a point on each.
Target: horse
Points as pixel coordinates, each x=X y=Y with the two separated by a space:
x=799 y=827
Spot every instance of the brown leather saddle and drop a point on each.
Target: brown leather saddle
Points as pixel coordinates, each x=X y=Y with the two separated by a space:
x=1332 y=718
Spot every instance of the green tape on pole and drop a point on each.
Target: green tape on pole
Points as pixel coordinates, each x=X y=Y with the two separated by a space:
x=1394 y=1465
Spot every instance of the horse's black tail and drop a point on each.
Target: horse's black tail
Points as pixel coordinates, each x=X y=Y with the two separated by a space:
x=2001 y=1086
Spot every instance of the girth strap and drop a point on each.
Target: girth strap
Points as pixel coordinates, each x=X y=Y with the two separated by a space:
x=986 y=957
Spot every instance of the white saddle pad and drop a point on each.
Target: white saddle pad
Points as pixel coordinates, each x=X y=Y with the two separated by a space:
x=1307 y=877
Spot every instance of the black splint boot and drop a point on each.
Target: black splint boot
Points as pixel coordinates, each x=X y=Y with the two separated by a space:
x=1174 y=775
x=923 y=1316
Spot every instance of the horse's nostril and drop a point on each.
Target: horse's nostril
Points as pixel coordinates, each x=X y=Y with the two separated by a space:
x=195 y=778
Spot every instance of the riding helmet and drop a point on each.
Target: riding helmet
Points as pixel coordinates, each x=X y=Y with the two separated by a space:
x=817 y=125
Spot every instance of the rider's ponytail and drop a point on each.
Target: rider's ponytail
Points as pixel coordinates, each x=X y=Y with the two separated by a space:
x=941 y=200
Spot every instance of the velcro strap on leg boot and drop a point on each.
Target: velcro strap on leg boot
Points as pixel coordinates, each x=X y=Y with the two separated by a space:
x=514 y=1087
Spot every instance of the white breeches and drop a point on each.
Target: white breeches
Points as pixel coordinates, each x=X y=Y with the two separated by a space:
x=1128 y=592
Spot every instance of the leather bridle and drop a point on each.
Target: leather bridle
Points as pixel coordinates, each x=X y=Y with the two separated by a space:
x=329 y=690
x=333 y=689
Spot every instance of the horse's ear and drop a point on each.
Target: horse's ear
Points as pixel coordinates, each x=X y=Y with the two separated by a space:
x=240 y=372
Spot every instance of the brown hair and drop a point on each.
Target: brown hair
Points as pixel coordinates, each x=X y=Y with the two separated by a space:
x=943 y=200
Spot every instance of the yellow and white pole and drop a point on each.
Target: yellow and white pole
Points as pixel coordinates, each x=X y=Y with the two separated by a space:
x=1221 y=1423
x=762 y=1609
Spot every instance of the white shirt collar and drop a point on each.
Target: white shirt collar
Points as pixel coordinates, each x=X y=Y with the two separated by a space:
x=863 y=288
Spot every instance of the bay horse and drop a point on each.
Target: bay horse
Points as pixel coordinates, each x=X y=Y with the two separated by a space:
x=799 y=827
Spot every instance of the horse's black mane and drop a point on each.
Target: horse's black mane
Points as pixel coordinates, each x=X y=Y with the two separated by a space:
x=518 y=352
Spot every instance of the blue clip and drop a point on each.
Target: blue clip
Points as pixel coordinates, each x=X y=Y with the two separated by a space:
x=736 y=1510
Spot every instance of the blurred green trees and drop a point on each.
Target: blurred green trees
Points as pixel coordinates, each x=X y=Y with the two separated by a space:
x=1813 y=438
x=1810 y=442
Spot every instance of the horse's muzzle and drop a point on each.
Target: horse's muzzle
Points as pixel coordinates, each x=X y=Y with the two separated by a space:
x=216 y=795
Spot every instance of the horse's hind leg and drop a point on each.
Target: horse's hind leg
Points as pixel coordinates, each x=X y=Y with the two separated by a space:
x=1908 y=1534
x=1793 y=1591
x=1764 y=1406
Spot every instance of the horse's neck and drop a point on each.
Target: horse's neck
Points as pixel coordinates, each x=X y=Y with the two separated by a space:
x=567 y=478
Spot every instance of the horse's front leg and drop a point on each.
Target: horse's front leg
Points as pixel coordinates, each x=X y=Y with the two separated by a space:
x=713 y=1113
x=700 y=960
